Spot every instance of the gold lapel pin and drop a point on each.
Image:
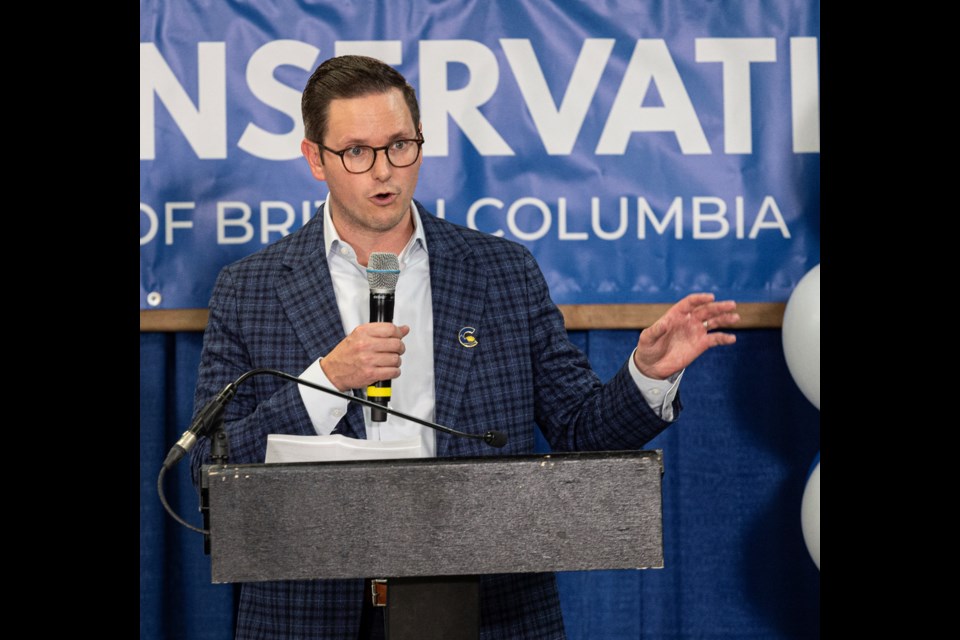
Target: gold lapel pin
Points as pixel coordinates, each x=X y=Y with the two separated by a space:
x=466 y=337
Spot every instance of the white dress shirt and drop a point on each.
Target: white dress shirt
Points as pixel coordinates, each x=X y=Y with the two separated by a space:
x=413 y=391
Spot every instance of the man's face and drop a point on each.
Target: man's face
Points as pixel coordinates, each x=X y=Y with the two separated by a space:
x=379 y=200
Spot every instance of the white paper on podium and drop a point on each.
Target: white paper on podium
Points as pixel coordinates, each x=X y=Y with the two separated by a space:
x=335 y=448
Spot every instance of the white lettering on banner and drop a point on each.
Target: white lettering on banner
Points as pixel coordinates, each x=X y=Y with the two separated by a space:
x=674 y=212
x=171 y=223
x=474 y=208
x=558 y=128
x=769 y=205
x=718 y=215
x=266 y=226
x=204 y=125
x=651 y=62
x=273 y=93
x=736 y=54
x=153 y=224
x=562 y=217
x=437 y=101
x=805 y=95
x=738 y=216
x=545 y=217
x=527 y=218
x=595 y=220
x=707 y=218
x=243 y=223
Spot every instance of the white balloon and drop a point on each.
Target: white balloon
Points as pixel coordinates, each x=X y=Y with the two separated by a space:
x=810 y=515
x=801 y=335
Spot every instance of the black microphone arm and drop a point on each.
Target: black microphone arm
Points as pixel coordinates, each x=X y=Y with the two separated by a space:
x=493 y=438
x=210 y=417
x=213 y=410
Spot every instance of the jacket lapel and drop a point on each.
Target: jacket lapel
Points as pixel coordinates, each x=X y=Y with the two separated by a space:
x=308 y=299
x=458 y=290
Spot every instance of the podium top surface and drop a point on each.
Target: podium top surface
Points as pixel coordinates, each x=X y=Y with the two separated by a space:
x=436 y=516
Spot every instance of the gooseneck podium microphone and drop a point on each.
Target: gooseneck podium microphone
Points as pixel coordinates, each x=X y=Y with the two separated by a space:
x=383 y=271
x=206 y=419
x=213 y=410
x=210 y=417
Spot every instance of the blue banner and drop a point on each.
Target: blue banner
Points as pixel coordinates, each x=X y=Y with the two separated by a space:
x=641 y=151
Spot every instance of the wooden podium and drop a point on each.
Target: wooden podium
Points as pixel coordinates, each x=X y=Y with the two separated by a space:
x=435 y=517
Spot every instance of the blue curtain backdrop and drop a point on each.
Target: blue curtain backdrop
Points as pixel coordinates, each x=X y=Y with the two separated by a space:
x=735 y=469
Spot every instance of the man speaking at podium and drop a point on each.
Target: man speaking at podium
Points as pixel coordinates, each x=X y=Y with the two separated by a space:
x=478 y=344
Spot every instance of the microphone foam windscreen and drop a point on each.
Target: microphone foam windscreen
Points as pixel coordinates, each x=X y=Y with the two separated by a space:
x=383 y=271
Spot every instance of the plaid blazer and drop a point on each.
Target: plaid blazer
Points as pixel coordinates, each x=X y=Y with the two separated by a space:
x=277 y=309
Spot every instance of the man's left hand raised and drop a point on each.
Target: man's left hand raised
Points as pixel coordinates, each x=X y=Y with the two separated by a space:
x=684 y=332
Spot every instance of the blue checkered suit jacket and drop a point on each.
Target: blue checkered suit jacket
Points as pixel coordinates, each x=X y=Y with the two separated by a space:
x=277 y=309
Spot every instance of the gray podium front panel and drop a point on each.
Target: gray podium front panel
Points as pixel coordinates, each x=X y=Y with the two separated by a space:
x=437 y=516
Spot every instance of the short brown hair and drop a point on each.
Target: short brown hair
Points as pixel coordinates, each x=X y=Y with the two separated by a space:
x=349 y=77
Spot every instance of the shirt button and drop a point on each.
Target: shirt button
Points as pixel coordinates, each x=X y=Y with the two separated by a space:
x=654 y=392
x=344 y=251
x=336 y=413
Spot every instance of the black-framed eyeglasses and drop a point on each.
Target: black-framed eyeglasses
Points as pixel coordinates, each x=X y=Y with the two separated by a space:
x=360 y=158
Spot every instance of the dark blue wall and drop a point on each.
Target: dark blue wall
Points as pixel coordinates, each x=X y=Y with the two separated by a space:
x=735 y=469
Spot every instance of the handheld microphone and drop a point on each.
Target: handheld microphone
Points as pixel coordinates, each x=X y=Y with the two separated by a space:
x=383 y=271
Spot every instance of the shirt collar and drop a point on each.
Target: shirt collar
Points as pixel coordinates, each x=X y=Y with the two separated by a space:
x=332 y=241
